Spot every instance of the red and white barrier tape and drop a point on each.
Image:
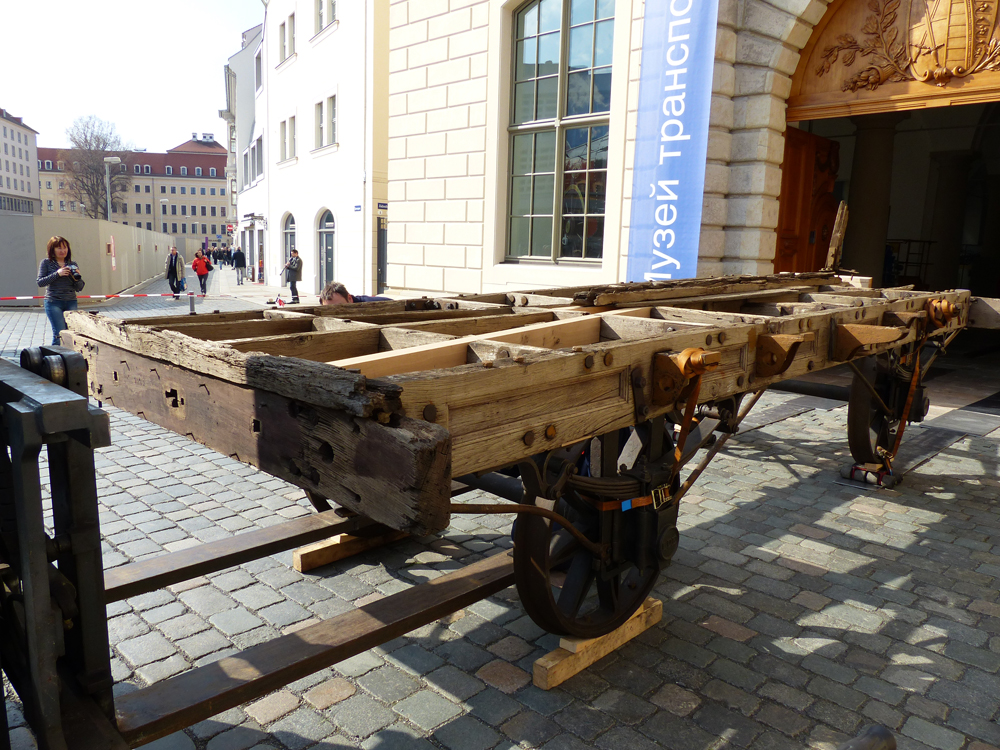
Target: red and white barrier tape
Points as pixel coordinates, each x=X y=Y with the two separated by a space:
x=117 y=296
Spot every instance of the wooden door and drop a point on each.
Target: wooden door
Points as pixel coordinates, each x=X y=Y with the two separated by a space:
x=806 y=206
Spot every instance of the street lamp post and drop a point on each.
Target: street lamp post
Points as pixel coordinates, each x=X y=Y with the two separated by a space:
x=108 y=161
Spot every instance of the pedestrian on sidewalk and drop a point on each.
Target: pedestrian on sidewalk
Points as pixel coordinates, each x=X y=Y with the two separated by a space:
x=173 y=268
x=240 y=264
x=201 y=266
x=62 y=276
x=293 y=274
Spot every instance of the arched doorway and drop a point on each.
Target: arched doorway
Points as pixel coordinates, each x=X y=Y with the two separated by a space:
x=327 y=235
x=288 y=233
x=903 y=93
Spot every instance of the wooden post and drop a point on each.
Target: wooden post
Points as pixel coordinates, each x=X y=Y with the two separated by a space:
x=576 y=654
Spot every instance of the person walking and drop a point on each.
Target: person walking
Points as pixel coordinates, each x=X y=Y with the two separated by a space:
x=293 y=274
x=62 y=278
x=173 y=269
x=240 y=264
x=201 y=266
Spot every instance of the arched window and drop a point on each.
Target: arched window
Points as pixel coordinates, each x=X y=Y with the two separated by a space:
x=326 y=230
x=170 y=170
x=289 y=232
x=559 y=128
x=197 y=171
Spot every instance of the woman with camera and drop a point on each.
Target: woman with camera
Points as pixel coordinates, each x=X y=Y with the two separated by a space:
x=61 y=275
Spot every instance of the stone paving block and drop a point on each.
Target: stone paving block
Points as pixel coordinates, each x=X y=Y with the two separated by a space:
x=389 y=684
x=360 y=716
x=427 y=709
x=466 y=733
x=492 y=706
x=529 y=728
x=676 y=700
x=206 y=601
x=175 y=741
x=301 y=728
x=665 y=730
x=503 y=676
x=145 y=649
x=625 y=707
x=237 y=738
x=328 y=693
x=932 y=734
x=203 y=643
x=454 y=683
x=161 y=670
x=272 y=707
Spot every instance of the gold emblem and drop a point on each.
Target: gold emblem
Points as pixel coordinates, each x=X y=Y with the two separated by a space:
x=941 y=40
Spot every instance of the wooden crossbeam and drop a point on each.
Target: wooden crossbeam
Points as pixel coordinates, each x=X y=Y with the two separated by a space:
x=558 y=334
x=166 y=706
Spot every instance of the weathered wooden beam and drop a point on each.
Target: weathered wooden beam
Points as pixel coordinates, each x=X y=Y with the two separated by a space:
x=164 y=570
x=850 y=339
x=664 y=290
x=557 y=334
x=315 y=346
x=398 y=473
x=219 y=331
x=166 y=706
x=294 y=378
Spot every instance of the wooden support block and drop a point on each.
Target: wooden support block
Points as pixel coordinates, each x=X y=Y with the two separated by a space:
x=576 y=654
x=340 y=547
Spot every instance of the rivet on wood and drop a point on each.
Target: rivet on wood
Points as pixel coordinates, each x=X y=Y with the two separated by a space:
x=708 y=340
x=430 y=413
x=722 y=338
x=519 y=360
x=529 y=437
x=588 y=361
x=524 y=300
x=609 y=358
x=809 y=365
x=740 y=381
x=550 y=432
x=503 y=353
x=487 y=365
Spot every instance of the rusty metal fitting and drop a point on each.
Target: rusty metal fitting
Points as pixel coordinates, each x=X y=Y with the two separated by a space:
x=696 y=361
x=940 y=312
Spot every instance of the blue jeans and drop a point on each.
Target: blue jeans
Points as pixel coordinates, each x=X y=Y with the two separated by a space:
x=55 y=309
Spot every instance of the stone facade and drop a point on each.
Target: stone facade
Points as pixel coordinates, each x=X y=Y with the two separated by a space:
x=449 y=87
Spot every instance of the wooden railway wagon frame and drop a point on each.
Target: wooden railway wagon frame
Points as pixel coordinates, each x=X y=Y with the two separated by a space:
x=598 y=395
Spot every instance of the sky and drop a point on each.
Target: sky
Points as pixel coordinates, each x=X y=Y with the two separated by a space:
x=154 y=70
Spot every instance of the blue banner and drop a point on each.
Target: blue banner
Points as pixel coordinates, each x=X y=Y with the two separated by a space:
x=675 y=97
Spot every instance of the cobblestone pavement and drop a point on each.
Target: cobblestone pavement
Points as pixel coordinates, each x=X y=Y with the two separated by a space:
x=798 y=609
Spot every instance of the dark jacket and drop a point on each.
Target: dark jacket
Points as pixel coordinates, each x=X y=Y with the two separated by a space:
x=239 y=259
x=367 y=298
x=59 y=287
x=294 y=270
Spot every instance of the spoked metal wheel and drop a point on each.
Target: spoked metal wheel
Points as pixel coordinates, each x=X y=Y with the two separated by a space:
x=869 y=427
x=568 y=589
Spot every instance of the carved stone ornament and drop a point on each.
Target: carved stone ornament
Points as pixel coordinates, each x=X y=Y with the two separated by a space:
x=930 y=41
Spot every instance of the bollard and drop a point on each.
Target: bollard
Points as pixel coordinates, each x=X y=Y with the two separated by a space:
x=191 y=300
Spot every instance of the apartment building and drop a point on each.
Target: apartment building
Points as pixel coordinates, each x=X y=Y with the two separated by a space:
x=307 y=101
x=183 y=192
x=18 y=189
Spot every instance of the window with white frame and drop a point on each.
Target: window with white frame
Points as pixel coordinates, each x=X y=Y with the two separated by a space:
x=283 y=140
x=146 y=169
x=291 y=35
x=559 y=129
x=211 y=171
x=282 y=48
x=291 y=137
x=197 y=171
x=260 y=156
x=137 y=169
x=319 y=125
x=170 y=170
x=184 y=171
x=258 y=72
x=326 y=13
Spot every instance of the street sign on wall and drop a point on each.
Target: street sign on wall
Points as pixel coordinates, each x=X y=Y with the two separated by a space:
x=675 y=97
